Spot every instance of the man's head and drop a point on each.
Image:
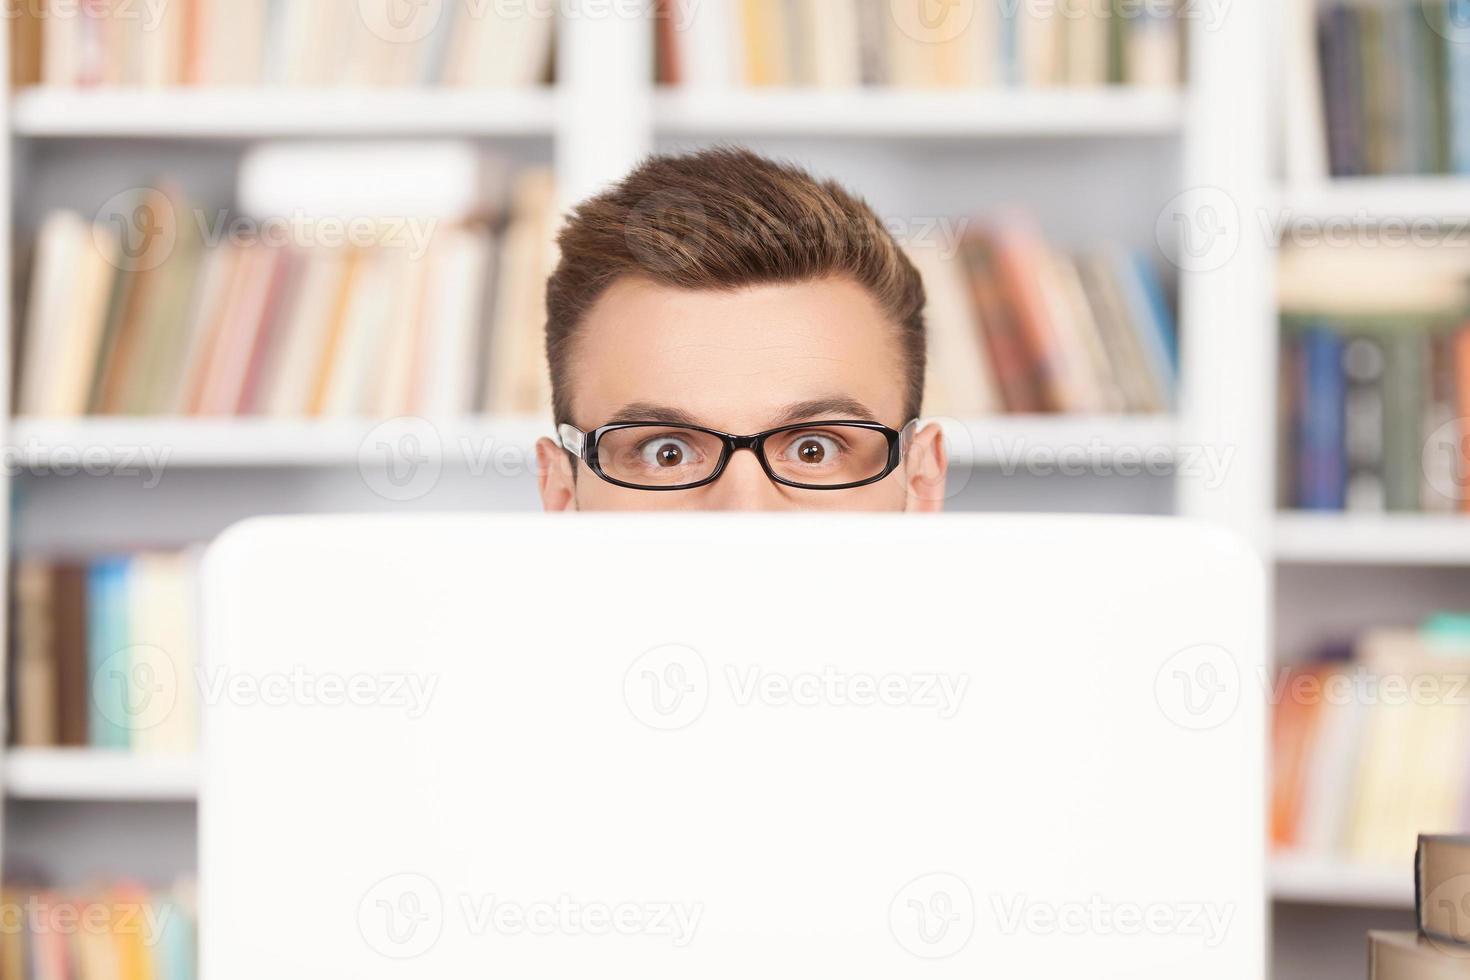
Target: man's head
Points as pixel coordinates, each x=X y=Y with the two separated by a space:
x=732 y=293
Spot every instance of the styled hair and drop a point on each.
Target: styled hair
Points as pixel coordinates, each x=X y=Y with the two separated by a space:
x=723 y=219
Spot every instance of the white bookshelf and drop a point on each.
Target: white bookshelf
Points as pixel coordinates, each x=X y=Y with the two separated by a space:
x=1340 y=572
x=97 y=775
x=1081 y=158
x=998 y=113
x=1383 y=539
x=243 y=114
x=1422 y=198
x=1321 y=880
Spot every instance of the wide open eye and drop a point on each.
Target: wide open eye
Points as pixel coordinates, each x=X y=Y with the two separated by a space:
x=667 y=452
x=813 y=449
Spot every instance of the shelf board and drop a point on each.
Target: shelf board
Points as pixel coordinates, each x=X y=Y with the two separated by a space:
x=1009 y=440
x=1372 y=539
x=250 y=113
x=94 y=774
x=1435 y=197
x=905 y=113
x=45 y=445
x=1320 y=880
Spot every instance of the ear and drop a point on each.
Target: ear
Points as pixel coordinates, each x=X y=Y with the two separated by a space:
x=925 y=469
x=555 y=478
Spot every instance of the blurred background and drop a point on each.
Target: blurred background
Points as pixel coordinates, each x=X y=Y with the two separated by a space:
x=1184 y=257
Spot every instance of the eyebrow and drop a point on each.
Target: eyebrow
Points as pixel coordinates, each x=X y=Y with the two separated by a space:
x=831 y=407
x=649 y=412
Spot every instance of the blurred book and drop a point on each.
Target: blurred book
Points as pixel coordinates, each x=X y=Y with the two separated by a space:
x=322 y=311
x=836 y=44
x=1442 y=887
x=1018 y=326
x=1342 y=730
x=235 y=43
x=1374 y=416
x=1375 y=377
x=1410 y=956
x=104 y=653
x=1395 y=85
x=121 y=931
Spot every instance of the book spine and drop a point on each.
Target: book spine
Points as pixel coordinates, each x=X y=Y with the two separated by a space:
x=1322 y=480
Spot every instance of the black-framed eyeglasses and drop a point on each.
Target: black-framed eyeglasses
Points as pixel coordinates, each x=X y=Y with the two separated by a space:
x=831 y=455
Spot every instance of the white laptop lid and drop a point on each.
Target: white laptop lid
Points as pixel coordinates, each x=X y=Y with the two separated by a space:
x=732 y=746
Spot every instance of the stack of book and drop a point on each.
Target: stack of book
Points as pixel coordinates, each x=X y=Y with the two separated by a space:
x=1375 y=373
x=1396 y=86
x=260 y=42
x=844 y=43
x=1439 y=949
x=1371 y=748
x=105 y=653
x=1017 y=326
x=422 y=319
x=119 y=932
x=1374 y=417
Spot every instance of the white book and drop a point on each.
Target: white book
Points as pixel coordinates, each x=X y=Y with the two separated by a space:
x=712 y=44
x=291 y=387
x=61 y=44
x=58 y=249
x=1152 y=52
x=232 y=41
x=1039 y=40
x=454 y=317
x=1076 y=356
x=360 y=337
x=832 y=28
x=162 y=627
x=239 y=331
x=1305 y=126
x=1327 y=792
x=391 y=379
x=963 y=384
x=81 y=332
x=1093 y=353
x=516 y=360
x=1086 y=43
x=207 y=310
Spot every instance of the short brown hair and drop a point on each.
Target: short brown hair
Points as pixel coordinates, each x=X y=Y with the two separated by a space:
x=722 y=219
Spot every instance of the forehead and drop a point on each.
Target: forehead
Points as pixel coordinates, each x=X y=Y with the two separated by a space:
x=734 y=358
